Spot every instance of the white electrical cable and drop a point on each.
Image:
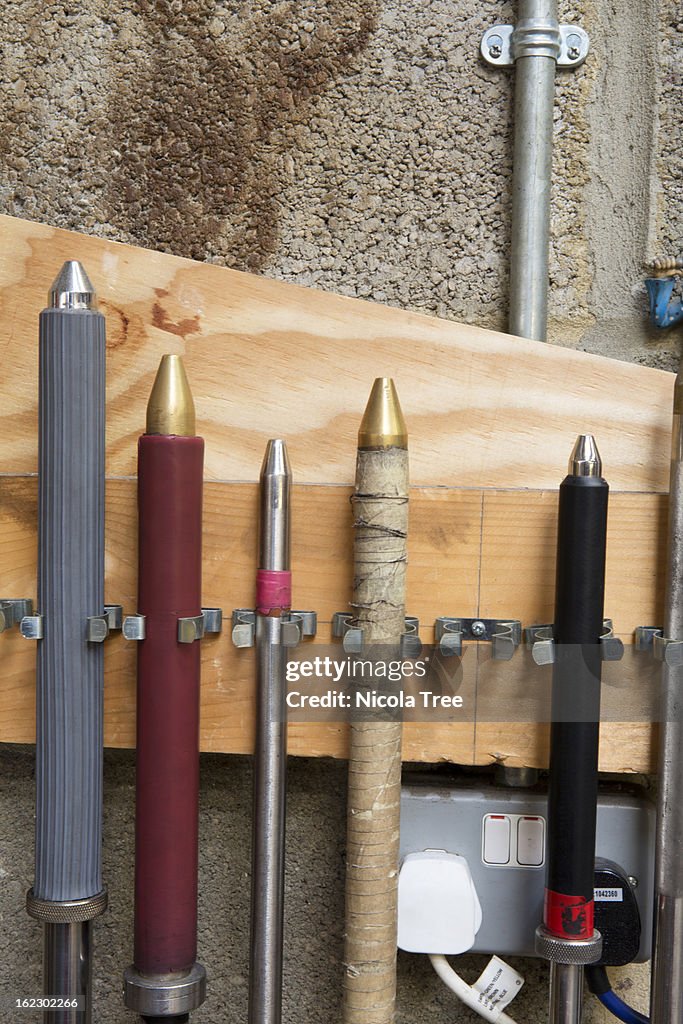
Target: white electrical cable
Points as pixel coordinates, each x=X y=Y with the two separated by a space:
x=463 y=991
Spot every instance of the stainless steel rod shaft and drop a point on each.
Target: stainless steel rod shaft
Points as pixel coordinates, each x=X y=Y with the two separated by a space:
x=566 y=993
x=270 y=756
x=268 y=860
x=667 y=961
x=531 y=179
x=67 y=969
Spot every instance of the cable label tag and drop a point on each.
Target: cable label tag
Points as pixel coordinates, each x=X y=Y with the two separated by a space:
x=497 y=987
x=608 y=895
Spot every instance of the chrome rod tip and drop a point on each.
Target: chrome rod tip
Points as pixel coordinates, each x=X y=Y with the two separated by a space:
x=276 y=460
x=72 y=288
x=585 y=458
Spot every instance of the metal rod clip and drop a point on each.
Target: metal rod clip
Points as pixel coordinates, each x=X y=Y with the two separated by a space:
x=12 y=611
x=299 y=625
x=98 y=627
x=541 y=642
x=243 y=627
x=344 y=626
x=31 y=627
x=664 y=648
x=295 y=626
x=134 y=627
x=612 y=646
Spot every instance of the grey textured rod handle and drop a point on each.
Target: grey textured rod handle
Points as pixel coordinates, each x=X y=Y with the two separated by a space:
x=70 y=674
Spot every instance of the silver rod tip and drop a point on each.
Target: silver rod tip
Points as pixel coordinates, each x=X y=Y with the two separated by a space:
x=585 y=458
x=72 y=288
x=276 y=460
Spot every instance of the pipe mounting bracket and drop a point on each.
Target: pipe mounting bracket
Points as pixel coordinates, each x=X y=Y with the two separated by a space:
x=504 y=635
x=567 y=45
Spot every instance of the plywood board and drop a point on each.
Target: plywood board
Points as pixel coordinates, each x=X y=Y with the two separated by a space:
x=470 y=553
x=491 y=420
x=268 y=359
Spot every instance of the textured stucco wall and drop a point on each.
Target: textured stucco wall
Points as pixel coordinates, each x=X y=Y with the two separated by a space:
x=359 y=146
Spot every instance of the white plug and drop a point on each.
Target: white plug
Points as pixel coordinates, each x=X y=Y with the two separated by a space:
x=438 y=907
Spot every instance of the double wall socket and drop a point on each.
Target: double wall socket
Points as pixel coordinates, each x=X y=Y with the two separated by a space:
x=501 y=833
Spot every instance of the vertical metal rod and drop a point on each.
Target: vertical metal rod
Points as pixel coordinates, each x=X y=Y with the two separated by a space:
x=67 y=969
x=273 y=601
x=268 y=859
x=566 y=993
x=531 y=179
x=667 y=961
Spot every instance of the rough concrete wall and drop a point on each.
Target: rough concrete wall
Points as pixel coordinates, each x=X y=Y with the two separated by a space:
x=359 y=146
x=355 y=145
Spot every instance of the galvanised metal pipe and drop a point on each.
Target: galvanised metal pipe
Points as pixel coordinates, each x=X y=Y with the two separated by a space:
x=68 y=890
x=667 y=961
x=536 y=46
x=273 y=601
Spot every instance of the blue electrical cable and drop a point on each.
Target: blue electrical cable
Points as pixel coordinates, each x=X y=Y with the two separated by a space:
x=599 y=985
x=619 y=1009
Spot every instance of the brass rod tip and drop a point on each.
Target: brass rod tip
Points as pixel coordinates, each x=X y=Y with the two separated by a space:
x=170 y=409
x=585 y=458
x=72 y=288
x=383 y=425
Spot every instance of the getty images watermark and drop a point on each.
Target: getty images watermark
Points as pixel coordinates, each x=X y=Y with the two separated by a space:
x=325 y=684
x=363 y=684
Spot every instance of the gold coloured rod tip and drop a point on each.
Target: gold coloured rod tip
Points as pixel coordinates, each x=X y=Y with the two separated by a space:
x=383 y=425
x=585 y=458
x=170 y=409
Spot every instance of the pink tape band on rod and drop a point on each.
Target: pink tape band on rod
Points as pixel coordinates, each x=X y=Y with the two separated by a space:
x=273 y=590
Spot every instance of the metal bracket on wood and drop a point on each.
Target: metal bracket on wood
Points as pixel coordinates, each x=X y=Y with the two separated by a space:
x=649 y=638
x=505 y=635
x=98 y=627
x=13 y=610
x=353 y=640
x=541 y=642
x=297 y=626
x=502 y=45
x=190 y=628
x=196 y=627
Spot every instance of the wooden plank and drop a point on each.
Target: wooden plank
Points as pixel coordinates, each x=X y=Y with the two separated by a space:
x=268 y=359
x=471 y=552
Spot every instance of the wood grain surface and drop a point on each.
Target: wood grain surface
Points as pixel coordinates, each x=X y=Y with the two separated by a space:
x=492 y=420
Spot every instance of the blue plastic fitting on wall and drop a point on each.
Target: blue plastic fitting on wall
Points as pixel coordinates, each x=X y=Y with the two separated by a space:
x=665 y=311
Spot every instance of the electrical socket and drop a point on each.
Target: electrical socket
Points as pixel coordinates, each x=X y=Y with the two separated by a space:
x=451 y=818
